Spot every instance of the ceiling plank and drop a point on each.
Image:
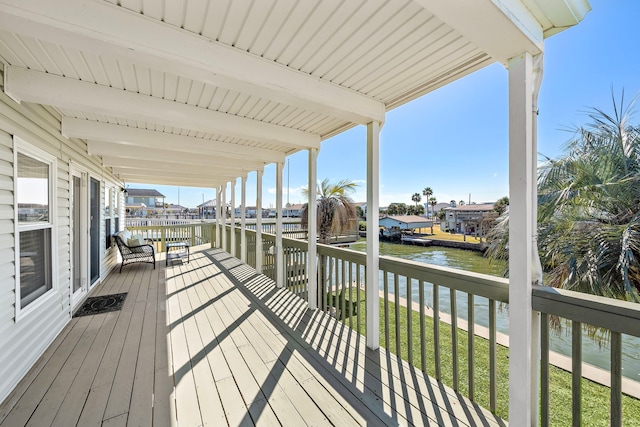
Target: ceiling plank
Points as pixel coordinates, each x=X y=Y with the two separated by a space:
x=502 y=29
x=124 y=135
x=42 y=88
x=103 y=28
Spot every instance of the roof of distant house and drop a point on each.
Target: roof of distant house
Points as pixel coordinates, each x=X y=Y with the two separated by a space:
x=295 y=207
x=408 y=219
x=143 y=192
x=208 y=204
x=439 y=206
x=173 y=207
x=480 y=207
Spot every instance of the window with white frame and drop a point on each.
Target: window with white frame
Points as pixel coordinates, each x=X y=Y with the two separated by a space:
x=34 y=182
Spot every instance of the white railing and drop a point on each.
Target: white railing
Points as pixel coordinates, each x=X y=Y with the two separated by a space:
x=147 y=222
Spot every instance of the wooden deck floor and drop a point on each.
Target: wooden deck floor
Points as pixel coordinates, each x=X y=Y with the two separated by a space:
x=212 y=342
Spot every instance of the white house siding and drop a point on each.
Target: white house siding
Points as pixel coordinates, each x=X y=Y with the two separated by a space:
x=22 y=342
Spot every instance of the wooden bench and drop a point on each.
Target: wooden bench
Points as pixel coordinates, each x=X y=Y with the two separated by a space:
x=130 y=254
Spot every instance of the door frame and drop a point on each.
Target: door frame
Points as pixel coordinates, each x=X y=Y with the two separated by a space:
x=98 y=236
x=83 y=244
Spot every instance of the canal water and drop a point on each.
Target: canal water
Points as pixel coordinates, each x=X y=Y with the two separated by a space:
x=594 y=353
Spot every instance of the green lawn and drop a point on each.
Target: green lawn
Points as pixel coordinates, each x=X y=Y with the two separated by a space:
x=595 y=397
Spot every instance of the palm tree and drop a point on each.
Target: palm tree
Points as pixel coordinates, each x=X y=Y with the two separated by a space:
x=335 y=214
x=433 y=202
x=501 y=205
x=336 y=211
x=589 y=209
x=461 y=203
x=427 y=192
x=416 y=198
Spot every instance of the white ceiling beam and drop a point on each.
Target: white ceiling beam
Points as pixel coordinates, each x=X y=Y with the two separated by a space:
x=172 y=181
x=179 y=175
x=501 y=28
x=105 y=29
x=153 y=167
x=124 y=135
x=205 y=164
x=142 y=154
x=48 y=89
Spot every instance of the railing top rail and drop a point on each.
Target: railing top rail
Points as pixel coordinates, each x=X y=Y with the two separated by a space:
x=343 y=253
x=295 y=243
x=160 y=227
x=484 y=285
x=612 y=314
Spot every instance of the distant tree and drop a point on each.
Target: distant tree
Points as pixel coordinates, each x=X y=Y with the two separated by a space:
x=360 y=212
x=415 y=210
x=452 y=203
x=433 y=202
x=416 y=198
x=427 y=192
x=397 y=209
x=461 y=203
x=501 y=205
x=442 y=214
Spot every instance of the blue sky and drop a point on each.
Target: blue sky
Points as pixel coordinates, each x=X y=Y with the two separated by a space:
x=455 y=140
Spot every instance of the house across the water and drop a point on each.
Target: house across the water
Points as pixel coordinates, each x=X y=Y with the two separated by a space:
x=395 y=225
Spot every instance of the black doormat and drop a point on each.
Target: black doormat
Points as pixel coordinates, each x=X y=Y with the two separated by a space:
x=102 y=304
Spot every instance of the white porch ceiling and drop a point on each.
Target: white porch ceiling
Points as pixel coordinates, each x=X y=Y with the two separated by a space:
x=241 y=84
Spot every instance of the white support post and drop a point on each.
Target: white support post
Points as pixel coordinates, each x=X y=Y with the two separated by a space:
x=218 y=195
x=232 y=202
x=523 y=322
x=243 y=219
x=373 y=248
x=259 y=220
x=312 y=234
x=280 y=276
x=223 y=215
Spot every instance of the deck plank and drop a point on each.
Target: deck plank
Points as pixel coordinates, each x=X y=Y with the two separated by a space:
x=100 y=391
x=142 y=399
x=53 y=399
x=42 y=363
x=208 y=396
x=163 y=390
x=120 y=397
x=187 y=408
x=37 y=387
x=71 y=408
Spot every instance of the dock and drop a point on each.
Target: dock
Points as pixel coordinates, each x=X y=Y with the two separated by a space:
x=419 y=241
